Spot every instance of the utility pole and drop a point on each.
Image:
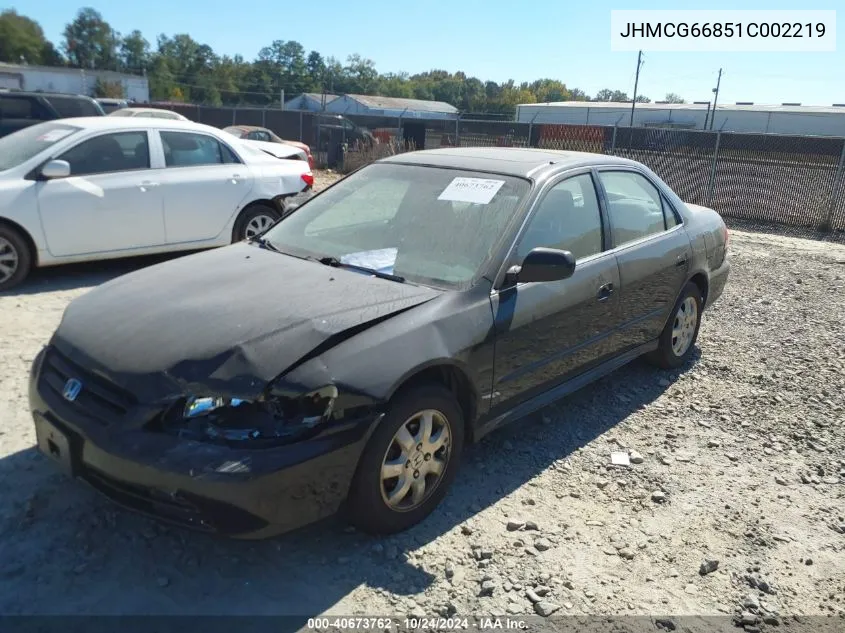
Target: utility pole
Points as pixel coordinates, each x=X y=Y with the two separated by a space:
x=715 y=99
x=636 y=82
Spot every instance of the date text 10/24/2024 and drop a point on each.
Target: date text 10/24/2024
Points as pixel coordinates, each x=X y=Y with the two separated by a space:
x=350 y=624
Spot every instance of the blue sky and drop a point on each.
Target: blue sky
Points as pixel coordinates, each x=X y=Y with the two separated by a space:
x=494 y=40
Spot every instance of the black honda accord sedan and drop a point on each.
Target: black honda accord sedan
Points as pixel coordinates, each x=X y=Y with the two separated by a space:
x=344 y=358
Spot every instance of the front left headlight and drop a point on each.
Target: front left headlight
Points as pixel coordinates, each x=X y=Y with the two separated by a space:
x=268 y=420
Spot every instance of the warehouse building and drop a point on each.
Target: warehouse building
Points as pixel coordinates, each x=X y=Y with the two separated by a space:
x=367 y=105
x=787 y=118
x=310 y=101
x=70 y=80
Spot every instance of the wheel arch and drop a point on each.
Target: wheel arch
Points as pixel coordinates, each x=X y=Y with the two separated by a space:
x=701 y=280
x=275 y=204
x=454 y=377
x=30 y=242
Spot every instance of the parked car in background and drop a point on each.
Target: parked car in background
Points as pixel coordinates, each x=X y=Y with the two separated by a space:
x=153 y=113
x=110 y=105
x=348 y=354
x=104 y=187
x=278 y=150
x=20 y=109
x=264 y=135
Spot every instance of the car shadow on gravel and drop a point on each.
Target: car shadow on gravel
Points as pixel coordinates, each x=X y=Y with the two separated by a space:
x=67 y=550
x=85 y=274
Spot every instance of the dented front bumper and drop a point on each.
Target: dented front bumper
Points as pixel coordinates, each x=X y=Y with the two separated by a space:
x=243 y=493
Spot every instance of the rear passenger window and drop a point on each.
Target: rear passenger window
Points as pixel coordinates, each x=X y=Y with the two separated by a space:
x=68 y=107
x=567 y=218
x=16 y=108
x=187 y=149
x=634 y=205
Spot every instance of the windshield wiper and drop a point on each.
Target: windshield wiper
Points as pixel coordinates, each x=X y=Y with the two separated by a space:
x=263 y=242
x=336 y=263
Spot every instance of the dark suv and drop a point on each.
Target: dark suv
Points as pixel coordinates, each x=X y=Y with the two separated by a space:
x=20 y=109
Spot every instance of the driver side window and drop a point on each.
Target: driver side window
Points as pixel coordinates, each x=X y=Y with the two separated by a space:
x=567 y=218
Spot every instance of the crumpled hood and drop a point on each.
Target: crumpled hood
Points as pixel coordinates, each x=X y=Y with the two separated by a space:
x=225 y=321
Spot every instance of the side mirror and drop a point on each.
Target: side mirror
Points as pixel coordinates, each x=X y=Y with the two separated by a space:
x=544 y=264
x=55 y=169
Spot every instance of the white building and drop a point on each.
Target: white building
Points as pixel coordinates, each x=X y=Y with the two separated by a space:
x=374 y=106
x=739 y=117
x=70 y=80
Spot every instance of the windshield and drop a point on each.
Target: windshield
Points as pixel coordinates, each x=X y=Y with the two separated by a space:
x=429 y=225
x=20 y=146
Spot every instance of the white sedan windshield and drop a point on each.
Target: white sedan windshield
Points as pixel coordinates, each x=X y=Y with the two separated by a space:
x=426 y=224
x=20 y=146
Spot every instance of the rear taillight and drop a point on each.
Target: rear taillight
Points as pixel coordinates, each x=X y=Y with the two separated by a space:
x=308 y=179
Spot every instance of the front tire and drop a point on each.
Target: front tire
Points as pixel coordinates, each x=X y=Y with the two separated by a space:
x=254 y=220
x=15 y=258
x=676 y=342
x=409 y=463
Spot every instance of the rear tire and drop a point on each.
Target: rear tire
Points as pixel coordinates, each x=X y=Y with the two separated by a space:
x=382 y=503
x=15 y=257
x=254 y=220
x=678 y=338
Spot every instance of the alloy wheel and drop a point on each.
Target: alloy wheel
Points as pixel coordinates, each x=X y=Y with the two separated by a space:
x=257 y=225
x=8 y=259
x=683 y=327
x=416 y=460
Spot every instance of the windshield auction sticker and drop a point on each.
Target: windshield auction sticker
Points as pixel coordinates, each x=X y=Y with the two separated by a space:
x=475 y=190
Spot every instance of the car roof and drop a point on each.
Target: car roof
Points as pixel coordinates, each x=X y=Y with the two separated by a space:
x=134 y=109
x=39 y=93
x=511 y=161
x=118 y=122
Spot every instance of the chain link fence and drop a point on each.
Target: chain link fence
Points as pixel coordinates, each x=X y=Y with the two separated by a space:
x=793 y=184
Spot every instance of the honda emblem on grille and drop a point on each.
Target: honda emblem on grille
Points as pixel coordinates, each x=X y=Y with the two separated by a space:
x=72 y=389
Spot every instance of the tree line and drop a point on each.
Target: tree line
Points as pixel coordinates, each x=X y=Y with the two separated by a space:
x=181 y=69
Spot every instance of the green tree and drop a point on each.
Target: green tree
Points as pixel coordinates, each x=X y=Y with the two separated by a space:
x=90 y=42
x=316 y=69
x=671 y=97
x=22 y=40
x=134 y=52
x=643 y=99
x=361 y=75
x=549 y=90
x=110 y=89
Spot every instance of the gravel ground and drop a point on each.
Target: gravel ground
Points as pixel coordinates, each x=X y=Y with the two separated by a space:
x=732 y=502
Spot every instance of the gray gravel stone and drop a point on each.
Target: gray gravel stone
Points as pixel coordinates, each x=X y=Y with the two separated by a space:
x=545 y=608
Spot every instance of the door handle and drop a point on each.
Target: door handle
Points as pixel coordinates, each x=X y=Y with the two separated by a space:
x=147 y=185
x=682 y=260
x=604 y=292
x=236 y=178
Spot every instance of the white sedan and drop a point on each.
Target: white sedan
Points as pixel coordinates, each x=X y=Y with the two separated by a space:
x=104 y=187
